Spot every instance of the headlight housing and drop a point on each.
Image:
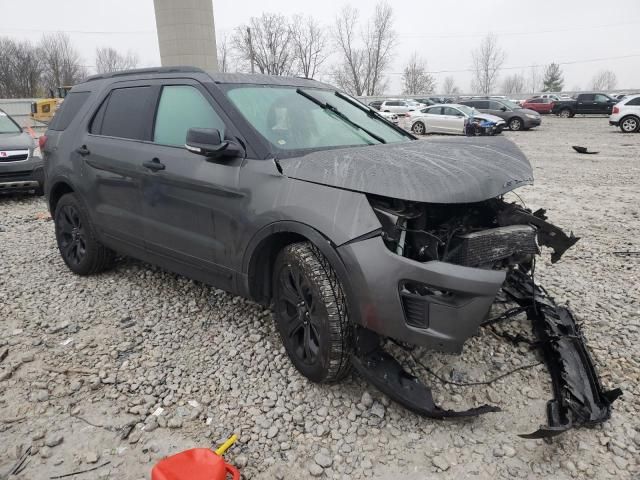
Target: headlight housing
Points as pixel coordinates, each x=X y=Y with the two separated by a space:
x=531 y=115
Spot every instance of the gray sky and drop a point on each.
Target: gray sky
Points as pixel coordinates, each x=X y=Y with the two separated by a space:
x=443 y=32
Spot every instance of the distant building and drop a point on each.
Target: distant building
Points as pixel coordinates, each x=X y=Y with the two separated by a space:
x=186 y=33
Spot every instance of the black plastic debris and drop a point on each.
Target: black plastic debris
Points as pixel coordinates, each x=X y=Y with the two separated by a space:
x=583 y=150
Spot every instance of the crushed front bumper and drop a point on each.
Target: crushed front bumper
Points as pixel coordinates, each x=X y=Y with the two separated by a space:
x=457 y=301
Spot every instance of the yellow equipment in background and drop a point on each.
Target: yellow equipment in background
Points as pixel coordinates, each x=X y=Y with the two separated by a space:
x=43 y=110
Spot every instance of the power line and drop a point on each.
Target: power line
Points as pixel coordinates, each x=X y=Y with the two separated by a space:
x=573 y=62
x=507 y=34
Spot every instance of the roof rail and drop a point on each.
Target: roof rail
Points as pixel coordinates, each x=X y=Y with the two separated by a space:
x=140 y=71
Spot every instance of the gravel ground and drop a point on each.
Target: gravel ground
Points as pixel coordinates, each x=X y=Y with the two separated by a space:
x=177 y=364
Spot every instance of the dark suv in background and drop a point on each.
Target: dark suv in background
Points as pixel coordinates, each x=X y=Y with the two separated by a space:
x=293 y=194
x=517 y=118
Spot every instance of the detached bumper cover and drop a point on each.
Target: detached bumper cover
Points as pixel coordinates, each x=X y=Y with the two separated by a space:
x=579 y=399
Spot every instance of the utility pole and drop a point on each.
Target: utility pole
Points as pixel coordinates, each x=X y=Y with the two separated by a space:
x=250 y=49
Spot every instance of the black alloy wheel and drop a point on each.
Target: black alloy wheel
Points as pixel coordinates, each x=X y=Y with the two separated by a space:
x=71 y=235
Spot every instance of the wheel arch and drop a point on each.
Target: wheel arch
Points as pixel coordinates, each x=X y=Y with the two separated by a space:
x=260 y=256
x=57 y=190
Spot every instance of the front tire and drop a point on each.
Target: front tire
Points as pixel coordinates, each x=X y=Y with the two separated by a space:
x=630 y=124
x=418 y=128
x=311 y=314
x=515 y=124
x=77 y=242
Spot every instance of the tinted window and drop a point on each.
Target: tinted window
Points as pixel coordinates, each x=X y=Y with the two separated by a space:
x=434 y=110
x=586 y=97
x=68 y=110
x=481 y=104
x=634 y=101
x=183 y=107
x=602 y=98
x=126 y=114
x=494 y=106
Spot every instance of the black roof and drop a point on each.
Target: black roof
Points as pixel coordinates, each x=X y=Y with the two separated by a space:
x=223 y=78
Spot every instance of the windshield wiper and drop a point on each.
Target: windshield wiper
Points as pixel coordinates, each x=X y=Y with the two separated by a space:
x=372 y=113
x=339 y=114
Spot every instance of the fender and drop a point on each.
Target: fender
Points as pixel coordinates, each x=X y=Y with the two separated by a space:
x=325 y=245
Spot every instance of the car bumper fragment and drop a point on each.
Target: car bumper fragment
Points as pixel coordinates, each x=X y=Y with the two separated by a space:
x=614 y=123
x=579 y=399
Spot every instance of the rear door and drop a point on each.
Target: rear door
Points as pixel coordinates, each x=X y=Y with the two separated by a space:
x=433 y=120
x=188 y=199
x=113 y=151
x=586 y=103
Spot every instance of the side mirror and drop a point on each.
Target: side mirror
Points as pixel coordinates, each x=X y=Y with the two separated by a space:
x=209 y=143
x=503 y=109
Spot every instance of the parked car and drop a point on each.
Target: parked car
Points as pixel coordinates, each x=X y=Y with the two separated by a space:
x=400 y=106
x=540 y=105
x=585 y=103
x=392 y=117
x=20 y=166
x=450 y=118
x=551 y=96
x=517 y=118
x=290 y=193
x=626 y=114
x=375 y=104
x=426 y=101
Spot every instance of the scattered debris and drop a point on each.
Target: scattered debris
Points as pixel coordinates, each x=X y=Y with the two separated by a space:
x=80 y=471
x=583 y=150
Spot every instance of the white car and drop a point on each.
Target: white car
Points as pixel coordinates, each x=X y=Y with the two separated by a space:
x=448 y=118
x=392 y=117
x=626 y=114
x=400 y=106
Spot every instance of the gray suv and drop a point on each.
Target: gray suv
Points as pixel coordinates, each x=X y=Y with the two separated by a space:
x=20 y=167
x=517 y=118
x=295 y=195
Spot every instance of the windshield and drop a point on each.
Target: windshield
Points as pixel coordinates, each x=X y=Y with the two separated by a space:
x=7 y=125
x=509 y=104
x=292 y=119
x=468 y=111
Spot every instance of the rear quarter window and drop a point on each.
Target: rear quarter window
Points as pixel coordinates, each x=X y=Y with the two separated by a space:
x=72 y=104
x=634 y=101
x=125 y=114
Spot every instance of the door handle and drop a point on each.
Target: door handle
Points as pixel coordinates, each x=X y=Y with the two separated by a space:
x=154 y=165
x=83 y=151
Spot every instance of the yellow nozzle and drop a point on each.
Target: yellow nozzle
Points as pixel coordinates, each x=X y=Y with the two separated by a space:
x=226 y=445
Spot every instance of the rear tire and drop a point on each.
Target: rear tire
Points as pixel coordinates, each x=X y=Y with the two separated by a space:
x=77 y=242
x=565 y=113
x=418 y=128
x=310 y=310
x=630 y=124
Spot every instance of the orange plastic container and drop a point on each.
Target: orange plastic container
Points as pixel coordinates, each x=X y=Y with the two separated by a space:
x=194 y=464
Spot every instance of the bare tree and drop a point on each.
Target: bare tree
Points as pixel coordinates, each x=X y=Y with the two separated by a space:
x=380 y=39
x=224 y=53
x=487 y=61
x=60 y=61
x=309 y=45
x=350 y=74
x=20 y=69
x=534 y=80
x=604 y=80
x=361 y=68
x=110 y=60
x=513 y=84
x=415 y=78
x=266 y=42
x=449 y=86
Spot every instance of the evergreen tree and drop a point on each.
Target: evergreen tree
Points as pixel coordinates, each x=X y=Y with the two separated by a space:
x=553 y=81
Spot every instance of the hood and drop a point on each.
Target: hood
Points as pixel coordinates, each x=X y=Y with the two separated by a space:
x=16 y=141
x=488 y=116
x=529 y=111
x=442 y=170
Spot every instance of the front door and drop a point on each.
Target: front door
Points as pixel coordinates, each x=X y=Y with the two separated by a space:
x=188 y=199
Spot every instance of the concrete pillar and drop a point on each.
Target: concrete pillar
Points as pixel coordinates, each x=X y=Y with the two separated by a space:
x=186 y=33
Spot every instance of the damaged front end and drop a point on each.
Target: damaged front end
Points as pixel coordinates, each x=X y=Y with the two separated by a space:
x=472 y=253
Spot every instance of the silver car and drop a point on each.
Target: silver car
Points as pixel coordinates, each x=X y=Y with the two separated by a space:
x=450 y=118
x=20 y=168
